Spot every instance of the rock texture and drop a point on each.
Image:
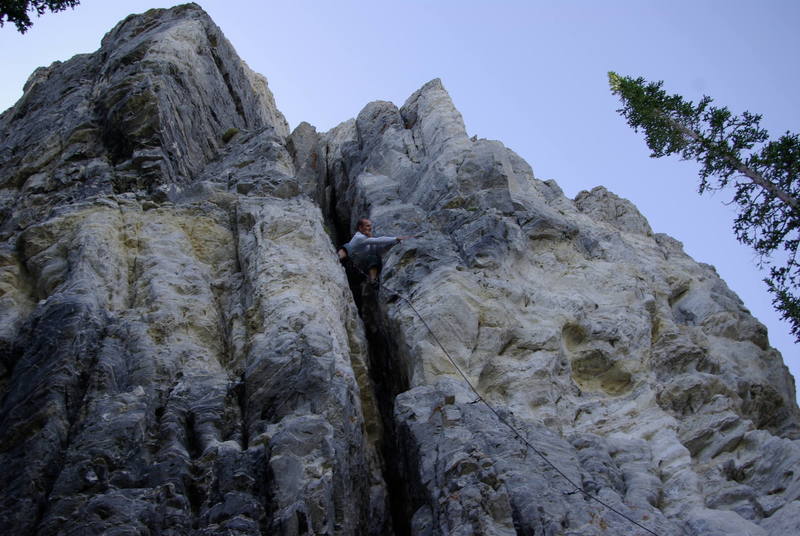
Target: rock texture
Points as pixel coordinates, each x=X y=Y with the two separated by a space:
x=181 y=352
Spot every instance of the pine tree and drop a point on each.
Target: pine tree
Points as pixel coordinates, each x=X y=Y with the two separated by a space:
x=16 y=11
x=734 y=153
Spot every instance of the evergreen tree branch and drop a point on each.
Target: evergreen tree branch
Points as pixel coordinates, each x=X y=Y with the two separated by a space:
x=734 y=151
x=736 y=164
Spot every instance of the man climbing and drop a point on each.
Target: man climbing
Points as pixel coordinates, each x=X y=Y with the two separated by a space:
x=365 y=250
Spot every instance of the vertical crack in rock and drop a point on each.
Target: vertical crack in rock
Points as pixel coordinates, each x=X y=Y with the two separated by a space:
x=194 y=491
x=240 y=391
x=388 y=379
x=213 y=41
x=303 y=405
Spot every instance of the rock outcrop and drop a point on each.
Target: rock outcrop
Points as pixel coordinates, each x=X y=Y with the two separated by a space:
x=181 y=352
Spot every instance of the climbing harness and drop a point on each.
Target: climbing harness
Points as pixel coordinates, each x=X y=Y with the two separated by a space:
x=480 y=398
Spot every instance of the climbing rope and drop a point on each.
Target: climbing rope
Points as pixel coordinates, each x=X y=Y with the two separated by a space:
x=517 y=433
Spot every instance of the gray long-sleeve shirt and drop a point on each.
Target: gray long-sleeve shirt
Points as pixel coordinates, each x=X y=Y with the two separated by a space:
x=368 y=249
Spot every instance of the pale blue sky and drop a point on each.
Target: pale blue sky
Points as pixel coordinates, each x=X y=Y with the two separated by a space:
x=531 y=74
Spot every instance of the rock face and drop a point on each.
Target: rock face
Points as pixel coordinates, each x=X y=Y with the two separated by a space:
x=183 y=354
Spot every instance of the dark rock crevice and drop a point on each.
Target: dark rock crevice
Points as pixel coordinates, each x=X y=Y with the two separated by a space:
x=388 y=376
x=390 y=380
x=240 y=392
x=226 y=77
x=239 y=389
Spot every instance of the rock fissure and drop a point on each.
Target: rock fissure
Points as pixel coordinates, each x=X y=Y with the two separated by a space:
x=387 y=376
x=389 y=381
x=231 y=90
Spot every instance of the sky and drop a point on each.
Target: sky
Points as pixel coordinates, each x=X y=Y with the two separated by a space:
x=532 y=74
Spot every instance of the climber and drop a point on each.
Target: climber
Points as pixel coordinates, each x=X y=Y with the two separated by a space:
x=365 y=250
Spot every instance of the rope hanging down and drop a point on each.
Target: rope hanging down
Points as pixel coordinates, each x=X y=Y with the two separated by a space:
x=517 y=434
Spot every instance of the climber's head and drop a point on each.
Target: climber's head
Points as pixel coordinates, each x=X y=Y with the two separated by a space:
x=364 y=226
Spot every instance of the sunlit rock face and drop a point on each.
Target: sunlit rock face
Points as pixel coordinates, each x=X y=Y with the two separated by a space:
x=182 y=352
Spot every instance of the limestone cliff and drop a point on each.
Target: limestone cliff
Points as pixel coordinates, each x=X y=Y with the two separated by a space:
x=182 y=353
